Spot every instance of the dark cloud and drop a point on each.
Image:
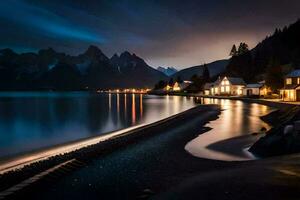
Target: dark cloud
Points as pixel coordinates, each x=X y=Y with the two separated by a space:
x=164 y=32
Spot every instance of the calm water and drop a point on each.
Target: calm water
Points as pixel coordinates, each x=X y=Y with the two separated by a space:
x=147 y=162
x=29 y=121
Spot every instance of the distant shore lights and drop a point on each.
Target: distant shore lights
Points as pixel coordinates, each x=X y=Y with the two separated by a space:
x=127 y=90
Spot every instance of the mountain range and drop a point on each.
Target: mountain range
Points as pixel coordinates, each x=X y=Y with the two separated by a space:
x=48 y=69
x=92 y=69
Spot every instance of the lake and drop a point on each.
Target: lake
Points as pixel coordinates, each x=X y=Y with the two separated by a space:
x=34 y=120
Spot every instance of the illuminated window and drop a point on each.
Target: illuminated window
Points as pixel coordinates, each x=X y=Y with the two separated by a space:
x=298 y=80
x=289 y=95
x=216 y=90
x=227 y=88
x=288 y=81
x=225 y=82
x=222 y=89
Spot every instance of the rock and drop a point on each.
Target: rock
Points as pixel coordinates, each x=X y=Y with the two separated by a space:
x=297 y=125
x=263 y=129
x=148 y=191
x=288 y=129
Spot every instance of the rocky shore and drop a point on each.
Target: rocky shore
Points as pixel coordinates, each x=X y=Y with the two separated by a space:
x=284 y=137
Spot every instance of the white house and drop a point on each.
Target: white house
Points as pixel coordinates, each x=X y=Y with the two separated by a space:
x=231 y=86
x=253 y=89
x=178 y=86
x=207 y=88
x=225 y=86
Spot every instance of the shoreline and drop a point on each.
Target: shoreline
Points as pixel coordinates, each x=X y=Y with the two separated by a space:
x=18 y=161
x=98 y=148
x=165 y=177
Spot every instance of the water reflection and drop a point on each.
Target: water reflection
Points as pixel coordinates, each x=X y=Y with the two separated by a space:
x=30 y=121
x=231 y=132
x=133 y=114
x=141 y=105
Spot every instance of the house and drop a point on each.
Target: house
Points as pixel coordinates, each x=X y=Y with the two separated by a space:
x=207 y=88
x=177 y=86
x=167 y=88
x=212 y=88
x=291 y=89
x=231 y=86
x=225 y=86
x=215 y=87
x=256 y=89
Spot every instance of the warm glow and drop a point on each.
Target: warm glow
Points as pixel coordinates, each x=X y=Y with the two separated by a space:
x=168 y=87
x=216 y=90
x=222 y=89
x=225 y=82
x=176 y=87
x=141 y=105
x=239 y=91
x=289 y=95
x=133 y=114
x=289 y=81
x=227 y=88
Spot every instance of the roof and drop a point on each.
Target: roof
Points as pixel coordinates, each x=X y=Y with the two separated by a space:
x=236 y=81
x=217 y=82
x=295 y=73
x=184 y=85
x=255 y=85
x=207 y=86
x=290 y=87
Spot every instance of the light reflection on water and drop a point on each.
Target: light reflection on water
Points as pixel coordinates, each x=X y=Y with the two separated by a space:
x=29 y=121
x=231 y=132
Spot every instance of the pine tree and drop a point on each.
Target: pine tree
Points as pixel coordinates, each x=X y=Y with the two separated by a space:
x=206 y=75
x=179 y=79
x=171 y=82
x=160 y=85
x=274 y=75
x=243 y=48
x=233 y=51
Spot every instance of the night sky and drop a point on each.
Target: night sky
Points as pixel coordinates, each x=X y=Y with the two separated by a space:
x=178 y=33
